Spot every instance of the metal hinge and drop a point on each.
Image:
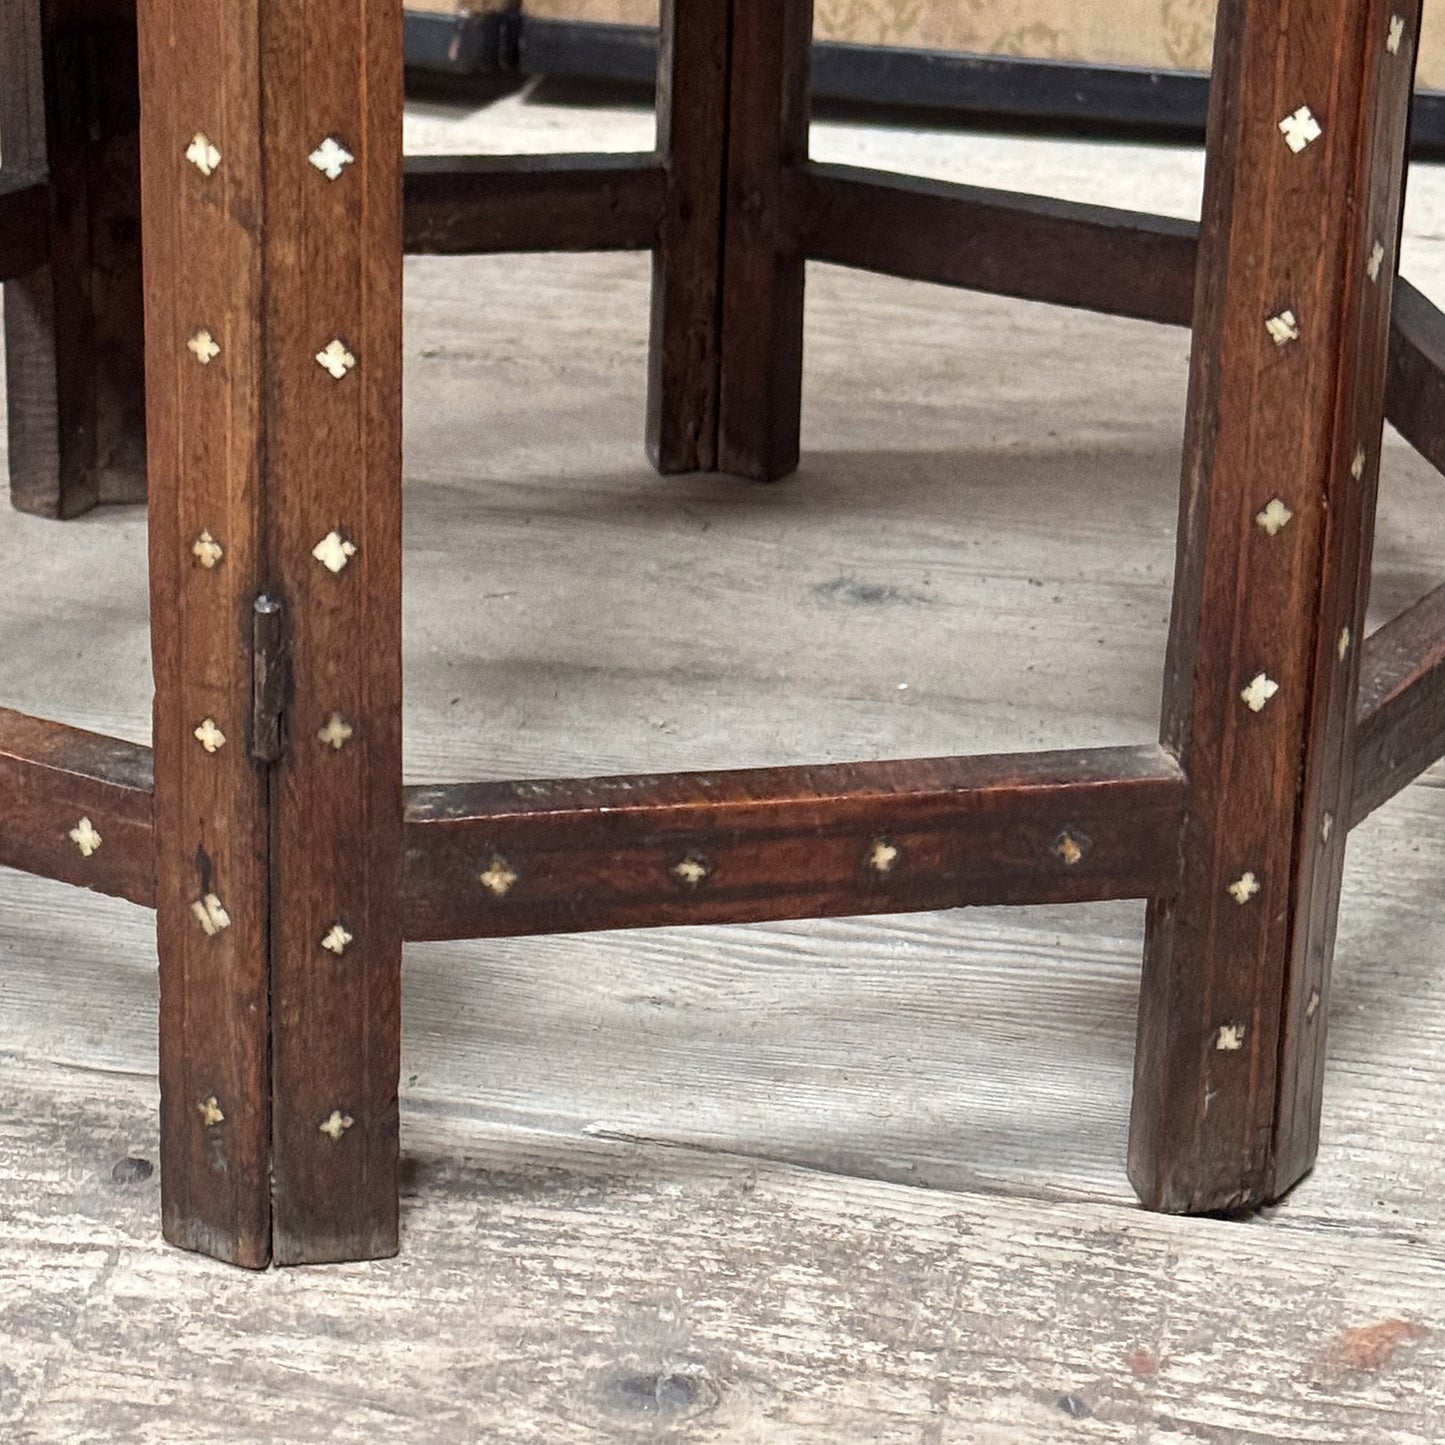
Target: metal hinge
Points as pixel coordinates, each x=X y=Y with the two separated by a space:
x=270 y=679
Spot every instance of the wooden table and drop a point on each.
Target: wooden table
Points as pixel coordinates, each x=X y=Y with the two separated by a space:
x=269 y=826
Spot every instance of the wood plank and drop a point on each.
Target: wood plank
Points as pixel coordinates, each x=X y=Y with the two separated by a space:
x=333 y=256
x=495 y=860
x=1416 y=393
x=24 y=213
x=77 y=807
x=764 y=270
x=1036 y=248
x=74 y=330
x=692 y=129
x=207 y=386
x=563 y=1289
x=473 y=205
x=1401 y=727
x=1301 y=226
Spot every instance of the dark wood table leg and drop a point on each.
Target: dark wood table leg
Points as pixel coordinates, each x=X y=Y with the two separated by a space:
x=1300 y=234
x=332 y=131
x=764 y=266
x=682 y=404
x=272 y=196
x=74 y=328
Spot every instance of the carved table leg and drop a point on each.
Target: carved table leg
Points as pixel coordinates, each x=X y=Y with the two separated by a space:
x=272 y=201
x=1299 y=241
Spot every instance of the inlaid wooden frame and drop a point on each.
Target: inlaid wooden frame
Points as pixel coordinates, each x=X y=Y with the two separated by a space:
x=268 y=826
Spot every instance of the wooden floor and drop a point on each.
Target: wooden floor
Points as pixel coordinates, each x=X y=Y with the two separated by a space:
x=841 y=1182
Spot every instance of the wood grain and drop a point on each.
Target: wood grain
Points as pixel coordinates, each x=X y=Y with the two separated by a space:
x=52 y=778
x=505 y=859
x=24 y=209
x=693 y=79
x=473 y=205
x=75 y=330
x=333 y=258
x=201 y=70
x=566 y=1289
x=1235 y=992
x=1036 y=248
x=764 y=270
x=1401 y=726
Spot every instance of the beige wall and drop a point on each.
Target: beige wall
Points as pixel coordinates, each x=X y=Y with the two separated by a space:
x=1172 y=33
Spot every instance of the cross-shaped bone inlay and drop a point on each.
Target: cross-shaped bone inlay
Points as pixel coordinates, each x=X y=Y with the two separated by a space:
x=1300 y=129
x=1257 y=695
x=336 y=359
x=210 y=1110
x=691 y=871
x=337 y=732
x=1396 y=35
x=1344 y=647
x=331 y=158
x=1070 y=849
x=203 y=155
x=1377 y=259
x=1357 y=464
x=1230 y=1039
x=1283 y=328
x=1275 y=517
x=1244 y=889
x=203 y=347
x=333 y=551
x=336 y=1125
x=209 y=913
x=882 y=856
x=84 y=836
x=500 y=877
x=336 y=940
x=210 y=736
x=208 y=552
